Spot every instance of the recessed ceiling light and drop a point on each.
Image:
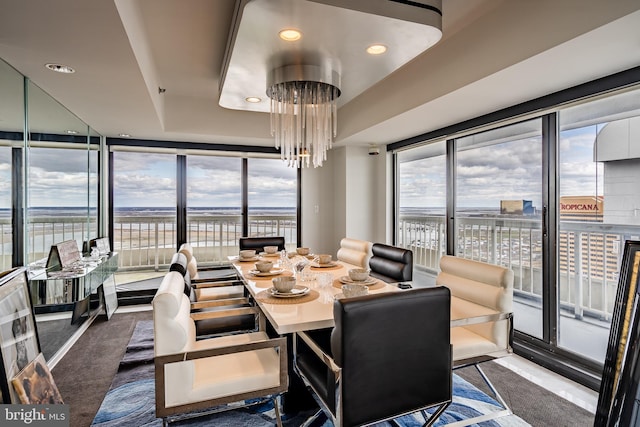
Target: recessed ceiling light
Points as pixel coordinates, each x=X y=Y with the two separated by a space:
x=124 y=135
x=376 y=49
x=253 y=99
x=71 y=132
x=290 y=35
x=59 y=68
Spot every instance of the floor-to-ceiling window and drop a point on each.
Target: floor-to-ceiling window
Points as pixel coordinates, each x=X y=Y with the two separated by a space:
x=553 y=197
x=422 y=203
x=272 y=199
x=223 y=198
x=498 y=209
x=214 y=206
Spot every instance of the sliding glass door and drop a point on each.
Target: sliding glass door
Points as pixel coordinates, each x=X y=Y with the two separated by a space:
x=498 y=210
x=422 y=203
x=599 y=171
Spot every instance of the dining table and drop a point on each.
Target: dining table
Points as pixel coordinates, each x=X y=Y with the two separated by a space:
x=317 y=285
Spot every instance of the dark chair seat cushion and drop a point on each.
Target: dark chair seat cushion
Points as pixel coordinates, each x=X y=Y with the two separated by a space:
x=208 y=327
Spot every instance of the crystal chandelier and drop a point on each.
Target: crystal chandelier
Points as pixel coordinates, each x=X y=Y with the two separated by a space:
x=303 y=112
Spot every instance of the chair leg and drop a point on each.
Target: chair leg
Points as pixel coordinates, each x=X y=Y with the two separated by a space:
x=312 y=418
x=434 y=417
x=276 y=407
x=493 y=415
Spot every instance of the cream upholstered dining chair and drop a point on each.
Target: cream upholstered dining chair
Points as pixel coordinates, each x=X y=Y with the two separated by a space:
x=481 y=313
x=194 y=375
x=354 y=251
x=388 y=355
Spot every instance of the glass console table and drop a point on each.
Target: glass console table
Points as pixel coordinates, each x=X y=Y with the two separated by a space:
x=72 y=287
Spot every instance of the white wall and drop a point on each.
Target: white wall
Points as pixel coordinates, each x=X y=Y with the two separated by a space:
x=621 y=196
x=347 y=196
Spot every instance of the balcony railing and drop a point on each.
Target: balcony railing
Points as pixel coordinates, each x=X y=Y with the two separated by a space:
x=588 y=255
x=150 y=241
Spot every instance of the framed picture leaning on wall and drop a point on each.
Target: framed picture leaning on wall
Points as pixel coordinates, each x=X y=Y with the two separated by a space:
x=620 y=387
x=19 y=344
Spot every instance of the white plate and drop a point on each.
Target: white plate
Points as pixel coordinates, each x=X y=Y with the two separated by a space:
x=269 y=255
x=347 y=280
x=297 y=291
x=253 y=258
x=273 y=272
x=329 y=264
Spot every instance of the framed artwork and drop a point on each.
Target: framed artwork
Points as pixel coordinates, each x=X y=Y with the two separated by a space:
x=19 y=344
x=620 y=387
x=34 y=385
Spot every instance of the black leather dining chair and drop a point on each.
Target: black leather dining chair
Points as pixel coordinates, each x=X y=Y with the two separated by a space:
x=388 y=355
x=390 y=263
x=258 y=243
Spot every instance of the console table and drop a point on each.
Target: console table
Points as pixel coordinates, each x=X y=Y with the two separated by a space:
x=57 y=289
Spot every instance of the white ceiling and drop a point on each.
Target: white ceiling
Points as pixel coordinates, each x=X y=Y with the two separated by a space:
x=493 y=54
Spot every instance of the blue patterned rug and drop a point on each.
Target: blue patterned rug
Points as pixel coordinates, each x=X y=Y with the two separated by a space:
x=130 y=401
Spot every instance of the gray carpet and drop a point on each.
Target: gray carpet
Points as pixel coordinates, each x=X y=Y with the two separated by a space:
x=532 y=403
x=85 y=373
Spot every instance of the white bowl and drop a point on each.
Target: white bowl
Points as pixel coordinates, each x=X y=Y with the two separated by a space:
x=358 y=274
x=324 y=258
x=302 y=251
x=271 y=249
x=284 y=284
x=247 y=253
x=264 y=266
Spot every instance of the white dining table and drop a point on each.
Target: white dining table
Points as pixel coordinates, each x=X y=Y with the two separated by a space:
x=300 y=314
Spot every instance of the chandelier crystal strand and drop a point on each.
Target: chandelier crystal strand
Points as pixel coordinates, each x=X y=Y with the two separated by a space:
x=303 y=120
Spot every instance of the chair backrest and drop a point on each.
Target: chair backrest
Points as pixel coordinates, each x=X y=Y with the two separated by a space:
x=173 y=328
x=179 y=264
x=187 y=250
x=480 y=285
x=395 y=353
x=391 y=263
x=485 y=284
x=258 y=243
x=354 y=251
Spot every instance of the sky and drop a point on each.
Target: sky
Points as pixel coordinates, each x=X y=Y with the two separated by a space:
x=58 y=178
x=486 y=175
x=505 y=171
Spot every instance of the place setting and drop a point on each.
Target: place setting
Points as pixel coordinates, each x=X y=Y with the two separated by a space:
x=270 y=252
x=285 y=290
x=265 y=270
x=358 y=277
x=247 y=255
x=324 y=261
